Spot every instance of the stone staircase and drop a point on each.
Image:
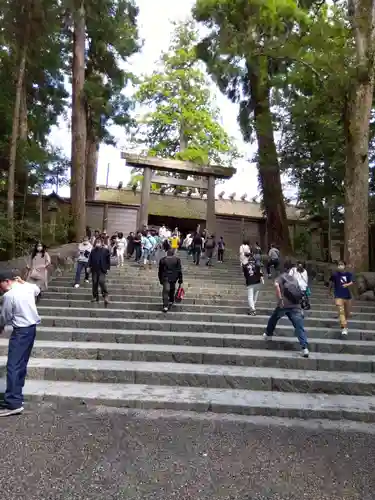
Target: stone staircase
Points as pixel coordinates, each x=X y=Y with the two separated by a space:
x=206 y=354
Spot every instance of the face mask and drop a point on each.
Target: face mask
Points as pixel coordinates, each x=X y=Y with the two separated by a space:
x=341 y=268
x=39 y=249
x=98 y=245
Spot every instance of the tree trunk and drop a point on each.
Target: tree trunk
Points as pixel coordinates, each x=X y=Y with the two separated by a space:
x=92 y=156
x=358 y=112
x=78 y=167
x=14 y=139
x=268 y=164
x=22 y=174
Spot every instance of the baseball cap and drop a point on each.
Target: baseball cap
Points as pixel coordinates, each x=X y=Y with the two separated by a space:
x=7 y=275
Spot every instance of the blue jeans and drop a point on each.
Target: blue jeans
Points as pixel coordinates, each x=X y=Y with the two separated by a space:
x=295 y=317
x=20 y=346
x=80 y=267
x=138 y=253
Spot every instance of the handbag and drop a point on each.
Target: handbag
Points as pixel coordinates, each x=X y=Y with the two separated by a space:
x=180 y=294
x=305 y=303
x=34 y=274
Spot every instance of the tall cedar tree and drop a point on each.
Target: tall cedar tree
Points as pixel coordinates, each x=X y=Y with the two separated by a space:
x=78 y=167
x=112 y=34
x=183 y=122
x=250 y=43
x=357 y=121
x=23 y=77
x=309 y=110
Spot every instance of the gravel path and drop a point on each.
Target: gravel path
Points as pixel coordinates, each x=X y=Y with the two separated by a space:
x=87 y=453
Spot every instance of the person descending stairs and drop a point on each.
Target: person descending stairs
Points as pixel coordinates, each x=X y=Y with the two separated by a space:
x=206 y=354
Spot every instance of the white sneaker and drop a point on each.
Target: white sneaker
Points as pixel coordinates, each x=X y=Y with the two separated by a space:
x=86 y=281
x=344 y=332
x=305 y=353
x=7 y=412
x=267 y=337
x=76 y=286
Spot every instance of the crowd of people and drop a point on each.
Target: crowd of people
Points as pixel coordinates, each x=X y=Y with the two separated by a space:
x=20 y=297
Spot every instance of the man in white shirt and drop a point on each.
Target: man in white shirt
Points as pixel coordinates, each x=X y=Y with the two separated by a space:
x=18 y=310
x=162 y=232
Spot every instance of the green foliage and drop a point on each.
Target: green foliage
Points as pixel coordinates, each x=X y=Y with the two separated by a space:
x=45 y=93
x=183 y=122
x=112 y=34
x=28 y=231
x=311 y=115
x=302 y=243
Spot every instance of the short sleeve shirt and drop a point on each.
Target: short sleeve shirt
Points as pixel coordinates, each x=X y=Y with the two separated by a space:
x=339 y=279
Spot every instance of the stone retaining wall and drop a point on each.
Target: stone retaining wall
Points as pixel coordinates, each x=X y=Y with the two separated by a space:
x=61 y=258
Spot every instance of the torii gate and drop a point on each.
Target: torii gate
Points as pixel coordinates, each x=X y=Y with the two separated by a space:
x=207 y=173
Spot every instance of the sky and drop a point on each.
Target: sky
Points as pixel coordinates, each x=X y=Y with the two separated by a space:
x=155 y=24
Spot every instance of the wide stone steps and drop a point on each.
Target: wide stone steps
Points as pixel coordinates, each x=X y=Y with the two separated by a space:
x=329 y=311
x=205 y=319
x=198 y=355
x=200 y=399
x=83 y=295
x=255 y=327
x=206 y=354
x=195 y=290
x=202 y=375
x=167 y=338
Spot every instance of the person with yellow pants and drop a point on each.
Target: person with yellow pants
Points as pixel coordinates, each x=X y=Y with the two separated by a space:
x=341 y=281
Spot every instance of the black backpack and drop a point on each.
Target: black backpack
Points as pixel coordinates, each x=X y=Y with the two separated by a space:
x=291 y=290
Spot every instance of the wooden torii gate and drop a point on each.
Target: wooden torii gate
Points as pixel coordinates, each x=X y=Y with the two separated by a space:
x=207 y=176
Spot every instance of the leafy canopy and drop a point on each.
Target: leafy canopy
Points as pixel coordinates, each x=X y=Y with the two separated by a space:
x=183 y=121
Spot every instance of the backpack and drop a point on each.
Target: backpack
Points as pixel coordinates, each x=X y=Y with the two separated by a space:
x=291 y=290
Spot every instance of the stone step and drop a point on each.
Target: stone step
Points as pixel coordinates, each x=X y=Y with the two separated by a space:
x=206 y=308
x=200 y=355
x=200 y=375
x=178 y=314
x=84 y=294
x=279 y=343
x=120 y=278
x=256 y=327
x=194 y=291
x=243 y=402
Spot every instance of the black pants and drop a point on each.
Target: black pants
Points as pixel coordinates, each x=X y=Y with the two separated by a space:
x=197 y=255
x=220 y=254
x=169 y=290
x=209 y=255
x=274 y=263
x=98 y=280
x=138 y=253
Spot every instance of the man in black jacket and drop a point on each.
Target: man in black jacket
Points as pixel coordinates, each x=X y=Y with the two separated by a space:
x=99 y=263
x=170 y=271
x=196 y=246
x=254 y=279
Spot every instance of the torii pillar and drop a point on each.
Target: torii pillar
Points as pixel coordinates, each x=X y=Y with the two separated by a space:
x=145 y=198
x=211 y=215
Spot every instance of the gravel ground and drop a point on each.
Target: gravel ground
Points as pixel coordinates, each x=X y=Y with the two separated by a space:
x=76 y=452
